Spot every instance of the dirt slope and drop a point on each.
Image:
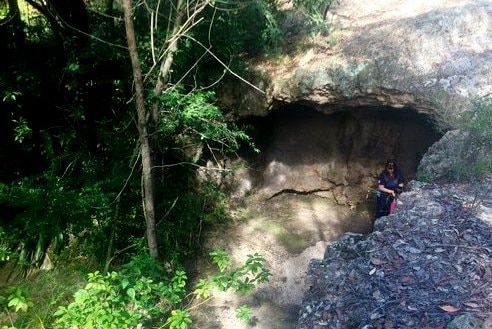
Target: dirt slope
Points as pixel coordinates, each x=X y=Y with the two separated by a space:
x=288 y=230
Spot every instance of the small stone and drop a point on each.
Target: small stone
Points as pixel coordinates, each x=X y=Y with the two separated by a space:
x=466 y=321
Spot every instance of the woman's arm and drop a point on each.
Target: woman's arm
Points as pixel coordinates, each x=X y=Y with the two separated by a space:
x=401 y=180
x=386 y=190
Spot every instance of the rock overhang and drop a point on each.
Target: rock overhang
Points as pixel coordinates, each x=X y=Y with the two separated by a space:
x=336 y=152
x=433 y=57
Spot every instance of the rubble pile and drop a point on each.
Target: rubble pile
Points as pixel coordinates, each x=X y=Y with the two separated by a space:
x=429 y=266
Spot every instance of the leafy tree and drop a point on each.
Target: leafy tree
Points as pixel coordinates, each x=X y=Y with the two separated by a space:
x=62 y=139
x=178 y=51
x=196 y=107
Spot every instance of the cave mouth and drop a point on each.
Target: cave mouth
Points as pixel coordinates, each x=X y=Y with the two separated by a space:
x=336 y=155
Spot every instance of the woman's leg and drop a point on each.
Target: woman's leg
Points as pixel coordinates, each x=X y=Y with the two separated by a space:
x=383 y=205
x=392 y=206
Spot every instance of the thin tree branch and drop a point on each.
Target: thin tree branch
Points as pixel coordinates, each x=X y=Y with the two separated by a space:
x=224 y=65
x=128 y=178
x=168 y=211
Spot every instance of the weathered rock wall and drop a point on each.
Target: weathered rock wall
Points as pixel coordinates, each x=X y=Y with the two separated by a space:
x=340 y=154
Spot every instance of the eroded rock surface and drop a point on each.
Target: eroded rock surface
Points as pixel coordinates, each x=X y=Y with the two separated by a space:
x=340 y=154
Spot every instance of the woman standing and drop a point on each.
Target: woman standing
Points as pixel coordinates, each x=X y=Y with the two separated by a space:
x=390 y=181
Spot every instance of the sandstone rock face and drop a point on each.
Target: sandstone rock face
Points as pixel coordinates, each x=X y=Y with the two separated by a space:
x=382 y=82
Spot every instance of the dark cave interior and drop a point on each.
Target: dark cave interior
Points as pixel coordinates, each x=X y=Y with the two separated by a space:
x=304 y=150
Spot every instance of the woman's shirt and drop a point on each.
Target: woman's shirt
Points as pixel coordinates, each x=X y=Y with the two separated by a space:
x=390 y=182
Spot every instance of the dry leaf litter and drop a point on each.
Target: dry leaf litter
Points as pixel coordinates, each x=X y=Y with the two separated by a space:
x=427 y=266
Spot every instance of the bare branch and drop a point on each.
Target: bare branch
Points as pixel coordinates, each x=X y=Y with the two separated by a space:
x=224 y=65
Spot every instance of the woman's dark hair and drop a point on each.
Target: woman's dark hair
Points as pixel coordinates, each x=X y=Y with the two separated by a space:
x=391 y=164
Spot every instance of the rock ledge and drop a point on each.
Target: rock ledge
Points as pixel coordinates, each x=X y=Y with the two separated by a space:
x=427 y=266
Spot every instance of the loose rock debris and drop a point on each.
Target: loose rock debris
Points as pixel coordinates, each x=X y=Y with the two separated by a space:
x=427 y=266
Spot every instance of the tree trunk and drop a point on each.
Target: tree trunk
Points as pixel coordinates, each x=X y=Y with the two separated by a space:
x=12 y=27
x=148 y=193
x=14 y=12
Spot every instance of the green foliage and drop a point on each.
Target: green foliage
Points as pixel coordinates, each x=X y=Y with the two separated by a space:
x=43 y=292
x=179 y=319
x=479 y=124
x=244 y=313
x=14 y=300
x=141 y=291
x=248 y=30
x=221 y=259
x=5 y=251
x=314 y=10
x=212 y=202
x=118 y=300
x=191 y=129
x=141 y=264
x=67 y=154
x=475 y=160
x=46 y=208
x=469 y=171
x=17 y=299
x=128 y=297
x=190 y=118
x=21 y=130
x=10 y=96
x=241 y=279
x=72 y=198
x=227 y=31
x=464 y=154
x=193 y=211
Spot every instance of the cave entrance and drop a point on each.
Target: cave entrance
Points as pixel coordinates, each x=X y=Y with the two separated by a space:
x=338 y=155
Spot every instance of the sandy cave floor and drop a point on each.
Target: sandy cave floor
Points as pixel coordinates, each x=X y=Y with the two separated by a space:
x=288 y=230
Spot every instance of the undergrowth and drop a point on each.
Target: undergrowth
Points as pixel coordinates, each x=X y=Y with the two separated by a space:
x=30 y=302
x=466 y=155
x=140 y=294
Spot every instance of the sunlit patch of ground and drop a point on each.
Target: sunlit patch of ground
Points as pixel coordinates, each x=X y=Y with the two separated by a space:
x=288 y=230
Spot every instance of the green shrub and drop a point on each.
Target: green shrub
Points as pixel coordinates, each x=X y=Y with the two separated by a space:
x=13 y=300
x=121 y=299
x=135 y=294
x=464 y=154
x=476 y=159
